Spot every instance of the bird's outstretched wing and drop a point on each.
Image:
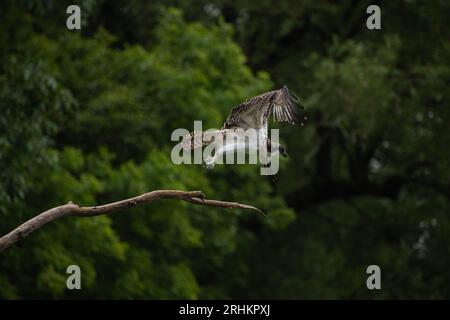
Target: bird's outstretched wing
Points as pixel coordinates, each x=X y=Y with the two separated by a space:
x=283 y=104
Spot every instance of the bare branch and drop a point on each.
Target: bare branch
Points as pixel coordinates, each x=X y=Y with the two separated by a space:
x=71 y=209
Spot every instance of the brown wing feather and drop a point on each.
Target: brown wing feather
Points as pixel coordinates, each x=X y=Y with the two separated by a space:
x=254 y=113
x=287 y=108
x=250 y=113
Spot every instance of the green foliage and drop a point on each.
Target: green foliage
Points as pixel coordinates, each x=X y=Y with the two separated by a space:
x=31 y=100
x=86 y=116
x=113 y=141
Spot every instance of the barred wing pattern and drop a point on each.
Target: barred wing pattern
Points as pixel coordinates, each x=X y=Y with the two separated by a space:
x=198 y=139
x=283 y=104
x=193 y=140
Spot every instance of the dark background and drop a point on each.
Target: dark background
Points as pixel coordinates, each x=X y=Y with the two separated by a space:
x=87 y=116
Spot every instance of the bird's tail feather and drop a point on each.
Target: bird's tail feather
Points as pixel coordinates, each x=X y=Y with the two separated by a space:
x=194 y=140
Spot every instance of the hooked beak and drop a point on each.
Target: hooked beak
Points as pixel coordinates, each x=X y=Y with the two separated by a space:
x=284 y=154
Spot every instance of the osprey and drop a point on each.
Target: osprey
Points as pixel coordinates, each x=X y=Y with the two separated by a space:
x=254 y=113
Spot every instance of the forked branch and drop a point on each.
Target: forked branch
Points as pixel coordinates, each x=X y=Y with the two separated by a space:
x=71 y=209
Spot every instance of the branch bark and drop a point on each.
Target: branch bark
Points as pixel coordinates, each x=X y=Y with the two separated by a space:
x=72 y=209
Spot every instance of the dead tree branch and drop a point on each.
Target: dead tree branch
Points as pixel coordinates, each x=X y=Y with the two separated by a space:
x=71 y=209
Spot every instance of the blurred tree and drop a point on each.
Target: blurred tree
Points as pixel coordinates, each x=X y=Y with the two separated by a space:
x=103 y=118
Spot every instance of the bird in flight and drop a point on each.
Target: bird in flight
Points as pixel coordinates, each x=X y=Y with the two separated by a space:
x=283 y=105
